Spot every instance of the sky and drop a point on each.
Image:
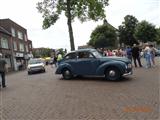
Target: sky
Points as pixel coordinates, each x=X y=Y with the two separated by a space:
x=24 y=13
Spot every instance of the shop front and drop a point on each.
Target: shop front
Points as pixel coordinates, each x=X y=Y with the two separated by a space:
x=6 y=54
x=19 y=61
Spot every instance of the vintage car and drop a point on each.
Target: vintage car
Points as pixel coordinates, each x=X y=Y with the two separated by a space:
x=91 y=63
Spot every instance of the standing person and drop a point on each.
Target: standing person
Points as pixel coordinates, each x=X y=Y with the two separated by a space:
x=105 y=53
x=147 y=55
x=2 y=70
x=136 y=55
x=59 y=58
x=55 y=60
x=129 y=52
x=123 y=52
x=110 y=53
x=153 y=52
x=119 y=53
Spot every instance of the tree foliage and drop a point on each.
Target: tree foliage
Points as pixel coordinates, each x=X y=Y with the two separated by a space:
x=103 y=36
x=82 y=9
x=158 y=36
x=42 y=52
x=145 y=32
x=127 y=29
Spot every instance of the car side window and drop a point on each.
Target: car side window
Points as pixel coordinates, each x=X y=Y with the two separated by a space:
x=82 y=55
x=90 y=55
x=70 y=56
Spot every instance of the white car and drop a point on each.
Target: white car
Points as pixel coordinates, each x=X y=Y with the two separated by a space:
x=36 y=65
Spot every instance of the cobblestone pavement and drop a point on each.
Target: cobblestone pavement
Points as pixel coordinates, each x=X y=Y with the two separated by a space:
x=47 y=96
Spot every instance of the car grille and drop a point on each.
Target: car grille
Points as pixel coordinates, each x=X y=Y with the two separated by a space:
x=36 y=67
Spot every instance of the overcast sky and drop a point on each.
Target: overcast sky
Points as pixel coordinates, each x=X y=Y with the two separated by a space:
x=24 y=13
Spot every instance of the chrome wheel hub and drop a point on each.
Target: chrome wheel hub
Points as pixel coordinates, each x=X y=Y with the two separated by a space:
x=67 y=73
x=112 y=73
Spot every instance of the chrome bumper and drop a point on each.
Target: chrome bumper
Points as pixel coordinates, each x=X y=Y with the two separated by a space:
x=129 y=73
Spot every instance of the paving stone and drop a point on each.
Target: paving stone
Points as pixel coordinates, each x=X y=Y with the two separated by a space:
x=47 y=96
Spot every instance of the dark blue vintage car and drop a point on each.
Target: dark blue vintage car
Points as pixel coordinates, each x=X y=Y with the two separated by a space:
x=91 y=62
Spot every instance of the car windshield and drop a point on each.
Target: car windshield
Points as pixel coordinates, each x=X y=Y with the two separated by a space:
x=97 y=54
x=36 y=61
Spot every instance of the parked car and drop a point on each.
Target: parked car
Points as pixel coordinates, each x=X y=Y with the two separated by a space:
x=36 y=65
x=91 y=62
x=157 y=53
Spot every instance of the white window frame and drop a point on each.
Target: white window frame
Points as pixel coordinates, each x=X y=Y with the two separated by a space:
x=21 y=47
x=13 y=32
x=14 y=45
x=4 y=43
x=20 y=35
x=30 y=46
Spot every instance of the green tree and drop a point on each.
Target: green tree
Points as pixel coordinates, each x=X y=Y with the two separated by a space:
x=145 y=31
x=158 y=35
x=42 y=52
x=127 y=29
x=82 y=9
x=46 y=52
x=103 y=36
x=35 y=54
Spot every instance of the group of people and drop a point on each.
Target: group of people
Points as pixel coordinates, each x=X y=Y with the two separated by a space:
x=135 y=53
x=56 y=59
x=148 y=52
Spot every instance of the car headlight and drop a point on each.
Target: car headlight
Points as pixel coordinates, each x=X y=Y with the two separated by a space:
x=129 y=65
x=28 y=67
x=42 y=65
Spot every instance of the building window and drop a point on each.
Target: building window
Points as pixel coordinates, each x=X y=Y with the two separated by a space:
x=20 y=35
x=25 y=37
x=30 y=46
x=15 y=45
x=13 y=32
x=4 y=43
x=21 y=47
x=26 y=48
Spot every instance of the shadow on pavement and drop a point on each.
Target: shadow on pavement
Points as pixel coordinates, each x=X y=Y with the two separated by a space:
x=98 y=79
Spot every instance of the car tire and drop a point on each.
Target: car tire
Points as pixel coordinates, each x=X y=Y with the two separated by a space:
x=67 y=75
x=29 y=73
x=112 y=73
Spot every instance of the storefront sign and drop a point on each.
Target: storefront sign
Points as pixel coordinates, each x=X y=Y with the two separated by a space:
x=19 y=55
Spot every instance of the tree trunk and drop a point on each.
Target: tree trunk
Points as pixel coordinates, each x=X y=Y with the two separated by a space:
x=69 y=22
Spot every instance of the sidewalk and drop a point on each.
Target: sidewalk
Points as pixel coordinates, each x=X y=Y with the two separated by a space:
x=12 y=72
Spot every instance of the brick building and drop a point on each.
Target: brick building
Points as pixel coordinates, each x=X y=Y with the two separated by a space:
x=15 y=46
x=5 y=47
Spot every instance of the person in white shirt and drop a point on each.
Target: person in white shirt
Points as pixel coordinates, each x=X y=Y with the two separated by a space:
x=153 y=52
x=147 y=55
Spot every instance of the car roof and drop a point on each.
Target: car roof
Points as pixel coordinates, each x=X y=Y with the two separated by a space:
x=83 y=50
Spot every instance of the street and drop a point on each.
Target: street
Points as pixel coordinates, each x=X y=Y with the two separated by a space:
x=46 y=96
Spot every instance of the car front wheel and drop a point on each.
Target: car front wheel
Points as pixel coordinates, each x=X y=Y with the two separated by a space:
x=29 y=73
x=67 y=74
x=44 y=70
x=112 y=73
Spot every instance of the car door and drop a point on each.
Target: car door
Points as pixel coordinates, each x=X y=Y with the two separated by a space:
x=71 y=59
x=86 y=63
